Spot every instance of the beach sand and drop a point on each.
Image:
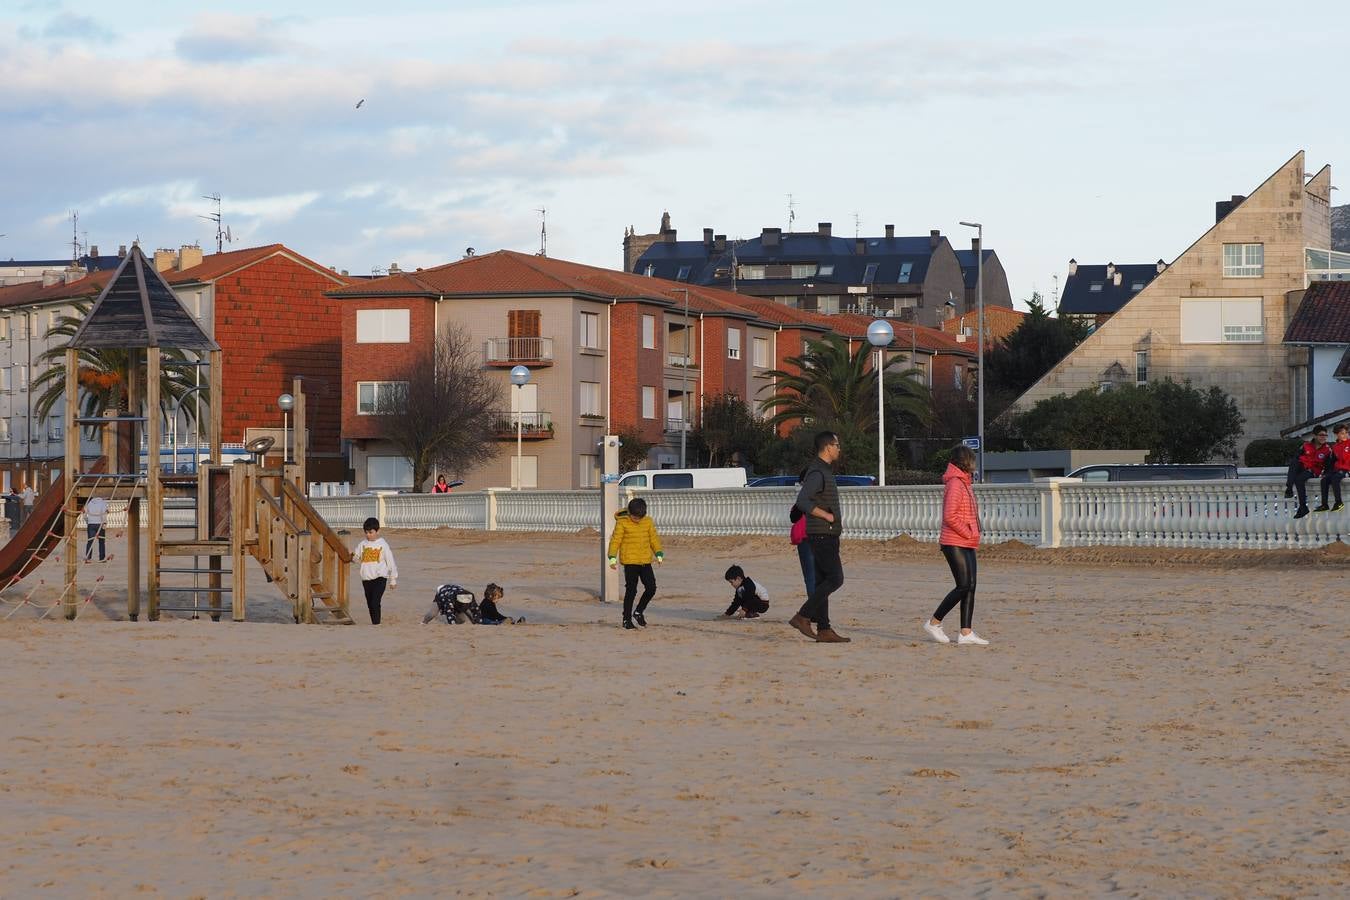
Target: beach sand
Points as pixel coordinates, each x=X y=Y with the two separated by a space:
x=1152 y=723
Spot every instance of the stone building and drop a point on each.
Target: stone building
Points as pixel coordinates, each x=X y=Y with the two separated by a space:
x=1217 y=314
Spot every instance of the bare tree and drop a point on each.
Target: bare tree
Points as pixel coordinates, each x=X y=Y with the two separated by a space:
x=440 y=412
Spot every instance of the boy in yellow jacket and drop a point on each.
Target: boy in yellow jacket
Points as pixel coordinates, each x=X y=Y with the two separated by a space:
x=635 y=543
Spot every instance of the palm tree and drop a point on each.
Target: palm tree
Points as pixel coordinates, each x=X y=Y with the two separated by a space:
x=103 y=374
x=833 y=388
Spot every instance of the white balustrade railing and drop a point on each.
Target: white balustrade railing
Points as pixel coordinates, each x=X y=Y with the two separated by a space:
x=1241 y=514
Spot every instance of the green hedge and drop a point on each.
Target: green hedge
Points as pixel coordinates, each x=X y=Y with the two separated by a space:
x=1270 y=451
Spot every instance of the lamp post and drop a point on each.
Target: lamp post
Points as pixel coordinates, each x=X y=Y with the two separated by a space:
x=684 y=378
x=286 y=403
x=879 y=335
x=520 y=376
x=979 y=328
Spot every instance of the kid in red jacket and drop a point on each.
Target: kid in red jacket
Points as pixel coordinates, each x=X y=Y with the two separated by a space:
x=1336 y=468
x=1312 y=460
x=959 y=538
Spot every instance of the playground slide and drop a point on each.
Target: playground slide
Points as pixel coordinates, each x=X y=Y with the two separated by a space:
x=38 y=536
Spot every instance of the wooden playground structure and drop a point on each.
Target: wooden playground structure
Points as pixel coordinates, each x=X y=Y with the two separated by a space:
x=242 y=510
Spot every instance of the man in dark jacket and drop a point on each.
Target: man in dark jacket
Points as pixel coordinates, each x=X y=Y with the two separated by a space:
x=818 y=500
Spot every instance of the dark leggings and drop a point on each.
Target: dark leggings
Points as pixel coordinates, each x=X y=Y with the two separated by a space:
x=1332 y=480
x=374 y=589
x=962 y=563
x=631 y=576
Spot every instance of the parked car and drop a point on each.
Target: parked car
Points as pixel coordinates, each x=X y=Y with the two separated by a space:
x=793 y=481
x=1156 y=472
x=683 y=479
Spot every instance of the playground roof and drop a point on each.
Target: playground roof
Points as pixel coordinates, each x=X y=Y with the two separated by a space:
x=137 y=308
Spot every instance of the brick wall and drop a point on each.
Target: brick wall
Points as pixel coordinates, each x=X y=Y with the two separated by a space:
x=378 y=362
x=634 y=367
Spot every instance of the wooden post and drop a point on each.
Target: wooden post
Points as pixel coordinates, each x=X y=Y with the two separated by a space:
x=72 y=500
x=217 y=407
x=108 y=441
x=128 y=462
x=304 y=602
x=134 y=558
x=204 y=509
x=239 y=516
x=154 y=489
x=300 y=441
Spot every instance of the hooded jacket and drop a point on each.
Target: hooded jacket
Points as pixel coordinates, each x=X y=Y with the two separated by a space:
x=634 y=543
x=960 y=515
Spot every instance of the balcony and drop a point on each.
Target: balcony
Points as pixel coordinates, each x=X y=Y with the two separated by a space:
x=680 y=361
x=518 y=351
x=673 y=426
x=534 y=426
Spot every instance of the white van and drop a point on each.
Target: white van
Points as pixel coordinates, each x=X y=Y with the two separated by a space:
x=682 y=479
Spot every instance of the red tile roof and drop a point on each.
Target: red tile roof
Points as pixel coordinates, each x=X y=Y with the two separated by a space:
x=999 y=322
x=34 y=292
x=218 y=265
x=1324 y=315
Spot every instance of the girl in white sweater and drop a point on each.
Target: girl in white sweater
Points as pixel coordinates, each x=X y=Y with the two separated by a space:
x=377 y=567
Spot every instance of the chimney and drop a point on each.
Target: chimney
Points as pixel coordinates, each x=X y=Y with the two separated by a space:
x=51 y=277
x=189 y=256
x=890 y=232
x=934 y=238
x=1116 y=279
x=707 y=236
x=1224 y=207
x=93 y=250
x=1110 y=270
x=394 y=269
x=719 y=243
x=1161 y=266
x=771 y=237
x=668 y=235
x=859 y=246
x=823 y=229
x=1073 y=266
x=163 y=260
x=121 y=251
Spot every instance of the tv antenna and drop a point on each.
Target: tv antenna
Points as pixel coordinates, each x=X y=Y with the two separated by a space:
x=792 y=212
x=74 y=236
x=1055 y=293
x=857 y=224
x=543 y=230
x=223 y=235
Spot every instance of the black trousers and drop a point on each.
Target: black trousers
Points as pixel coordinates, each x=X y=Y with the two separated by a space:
x=631 y=576
x=1301 y=479
x=1332 y=481
x=95 y=530
x=829 y=578
x=374 y=589
x=961 y=560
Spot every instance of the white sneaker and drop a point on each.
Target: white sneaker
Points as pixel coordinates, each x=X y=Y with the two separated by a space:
x=935 y=632
x=971 y=638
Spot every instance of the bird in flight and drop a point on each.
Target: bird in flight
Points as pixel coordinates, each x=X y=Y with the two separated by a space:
x=359 y=102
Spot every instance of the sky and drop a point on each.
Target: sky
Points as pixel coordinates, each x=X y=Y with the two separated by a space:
x=1103 y=133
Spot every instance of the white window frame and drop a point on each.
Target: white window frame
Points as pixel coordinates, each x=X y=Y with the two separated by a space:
x=21 y=378
x=828 y=304
x=1141 y=367
x=733 y=343
x=397 y=465
x=803 y=270
x=1222 y=320
x=751 y=272
x=589 y=331
x=376 y=387
x=5 y=330
x=760 y=352
x=590 y=399
x=4 y=430
x=648 y=402
x=383 y=326
x=648 y=331
x=1244 y=260
x=6 y=379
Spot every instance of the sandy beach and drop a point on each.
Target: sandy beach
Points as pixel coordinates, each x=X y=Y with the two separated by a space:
x=1147 y=723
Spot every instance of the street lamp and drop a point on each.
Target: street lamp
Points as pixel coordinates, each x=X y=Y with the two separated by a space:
x=979 y=328
x=879 y=335
x=287 y=403
x=520 y=376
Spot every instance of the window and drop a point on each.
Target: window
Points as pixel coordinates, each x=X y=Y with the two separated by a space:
x=956 y=376
x=787 y=301
x=648 y=332
x=21 y=378
x=382 y=326
x=734 y=343
x=826 y=270
x=683 y=274
x=673 y=480
x=828 y=304
x=905 y=270
x=1236 y=321
x=751 y=273
x=1244 y=260
x=634 y=481
x=388 y=472
x=870 y=273
x=590 y=399
x=53 y=319
x=648 y=402
x=1095 y=287
x=4 y=431
x=588 y=471
x=371 y=396
x=54 y=429
x=1136 y=285
x=761 y=346
x=21 y=327
x=1141 y=367
x=590 y=331
x=4 y=329
x=803 y=270
x=527 y=475
x=7 y=379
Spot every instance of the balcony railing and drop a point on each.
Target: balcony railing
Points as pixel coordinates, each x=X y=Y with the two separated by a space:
x=680 y=360
x=514 y=351
x=534 y=426
x=673 y=426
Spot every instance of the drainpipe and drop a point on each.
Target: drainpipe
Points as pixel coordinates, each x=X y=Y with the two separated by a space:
x=435 y=336
x=702 y=362
x=609 y=368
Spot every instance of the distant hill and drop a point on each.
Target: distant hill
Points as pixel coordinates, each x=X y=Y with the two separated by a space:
x=1340 y=228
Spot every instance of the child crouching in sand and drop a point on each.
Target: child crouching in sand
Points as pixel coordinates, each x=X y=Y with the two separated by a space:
x=749 y=597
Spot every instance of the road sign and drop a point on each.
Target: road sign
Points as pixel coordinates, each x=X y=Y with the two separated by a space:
x=972 y=442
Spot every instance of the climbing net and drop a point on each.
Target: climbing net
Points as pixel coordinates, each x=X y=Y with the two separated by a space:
x=51 y=544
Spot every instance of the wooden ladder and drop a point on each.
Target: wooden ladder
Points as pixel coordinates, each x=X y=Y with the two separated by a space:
x=299 y=552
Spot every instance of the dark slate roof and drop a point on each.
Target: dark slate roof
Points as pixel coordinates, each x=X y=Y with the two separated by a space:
x=139 y=309
x=1079 y=297
x=968 y=268
x=88 y=263
x=1323 y=317
x=891 y=256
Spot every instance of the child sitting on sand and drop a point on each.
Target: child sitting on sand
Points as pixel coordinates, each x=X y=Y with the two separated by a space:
x=749 y=597
x=488 y=613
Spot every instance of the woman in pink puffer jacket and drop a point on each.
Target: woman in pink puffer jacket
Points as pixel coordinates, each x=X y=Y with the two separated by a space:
x=959 y=538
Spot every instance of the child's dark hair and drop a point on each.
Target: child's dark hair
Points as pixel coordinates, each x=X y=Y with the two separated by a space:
x=637 y=507
x=371 y=524
x=734 y=572
x=493 y=591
